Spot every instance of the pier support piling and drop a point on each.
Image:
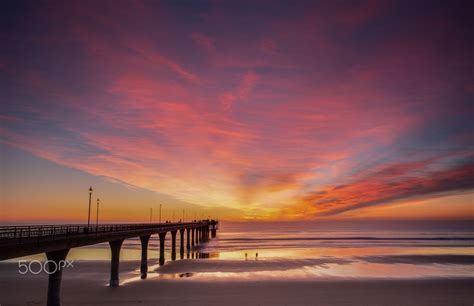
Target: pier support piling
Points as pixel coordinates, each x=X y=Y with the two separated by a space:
x=173 y=245
x=56 y=263
x=188 y=245
x=192 y=237
x=181 y=243
x=162 y=248
x=144 y=263
x=115 y=247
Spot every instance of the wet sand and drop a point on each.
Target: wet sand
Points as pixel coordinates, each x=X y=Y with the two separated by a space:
x=85 y=284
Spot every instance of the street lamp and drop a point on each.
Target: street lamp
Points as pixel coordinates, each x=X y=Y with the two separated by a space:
x=89 y=215
x=97 y=216
x=151 y=214
x=159 y=221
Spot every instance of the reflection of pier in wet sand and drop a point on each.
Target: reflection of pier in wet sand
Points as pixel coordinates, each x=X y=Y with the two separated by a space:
x=57 y=240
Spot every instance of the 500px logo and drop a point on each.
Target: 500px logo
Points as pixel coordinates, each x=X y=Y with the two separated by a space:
x=48 y=267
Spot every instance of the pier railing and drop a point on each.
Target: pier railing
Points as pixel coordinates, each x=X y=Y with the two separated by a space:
x=30 y=233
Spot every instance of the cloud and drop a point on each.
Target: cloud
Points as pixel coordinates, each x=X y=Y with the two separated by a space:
x=392 y=183
x=247 y=82
x=203 y=41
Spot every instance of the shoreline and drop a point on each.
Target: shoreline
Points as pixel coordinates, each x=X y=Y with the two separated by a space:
x=86 y=285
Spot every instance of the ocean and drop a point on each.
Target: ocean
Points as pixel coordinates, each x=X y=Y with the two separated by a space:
x=312 y=250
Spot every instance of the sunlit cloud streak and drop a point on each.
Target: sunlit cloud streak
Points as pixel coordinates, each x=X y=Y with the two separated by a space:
x=393 y=183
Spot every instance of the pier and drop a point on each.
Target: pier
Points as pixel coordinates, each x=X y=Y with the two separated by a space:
x=57 y=240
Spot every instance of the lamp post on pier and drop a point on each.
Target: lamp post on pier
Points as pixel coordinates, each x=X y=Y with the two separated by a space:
x=89 y=214
x=97 y=215
x=159 y=221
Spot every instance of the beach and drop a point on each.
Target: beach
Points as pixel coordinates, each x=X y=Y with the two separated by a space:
x=255 y=264
x=86 y=284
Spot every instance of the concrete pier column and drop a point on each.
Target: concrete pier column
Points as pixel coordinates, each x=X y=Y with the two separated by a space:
x=197 y=235
x=56 y=263
x=114 y=264
x=213 y=233
x=162 y=248
x=192 y=237
x=173 y=245
x=144 y=263
x=188 y=243
x=181 y=243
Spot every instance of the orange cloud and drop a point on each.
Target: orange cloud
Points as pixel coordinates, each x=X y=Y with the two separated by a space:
x=392 y=183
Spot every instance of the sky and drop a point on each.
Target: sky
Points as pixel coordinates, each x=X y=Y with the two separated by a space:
x=240 y=110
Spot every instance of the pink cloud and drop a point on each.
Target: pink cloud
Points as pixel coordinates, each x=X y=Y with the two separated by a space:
x=392 y=183
x=203 y=41
x=247 y=82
